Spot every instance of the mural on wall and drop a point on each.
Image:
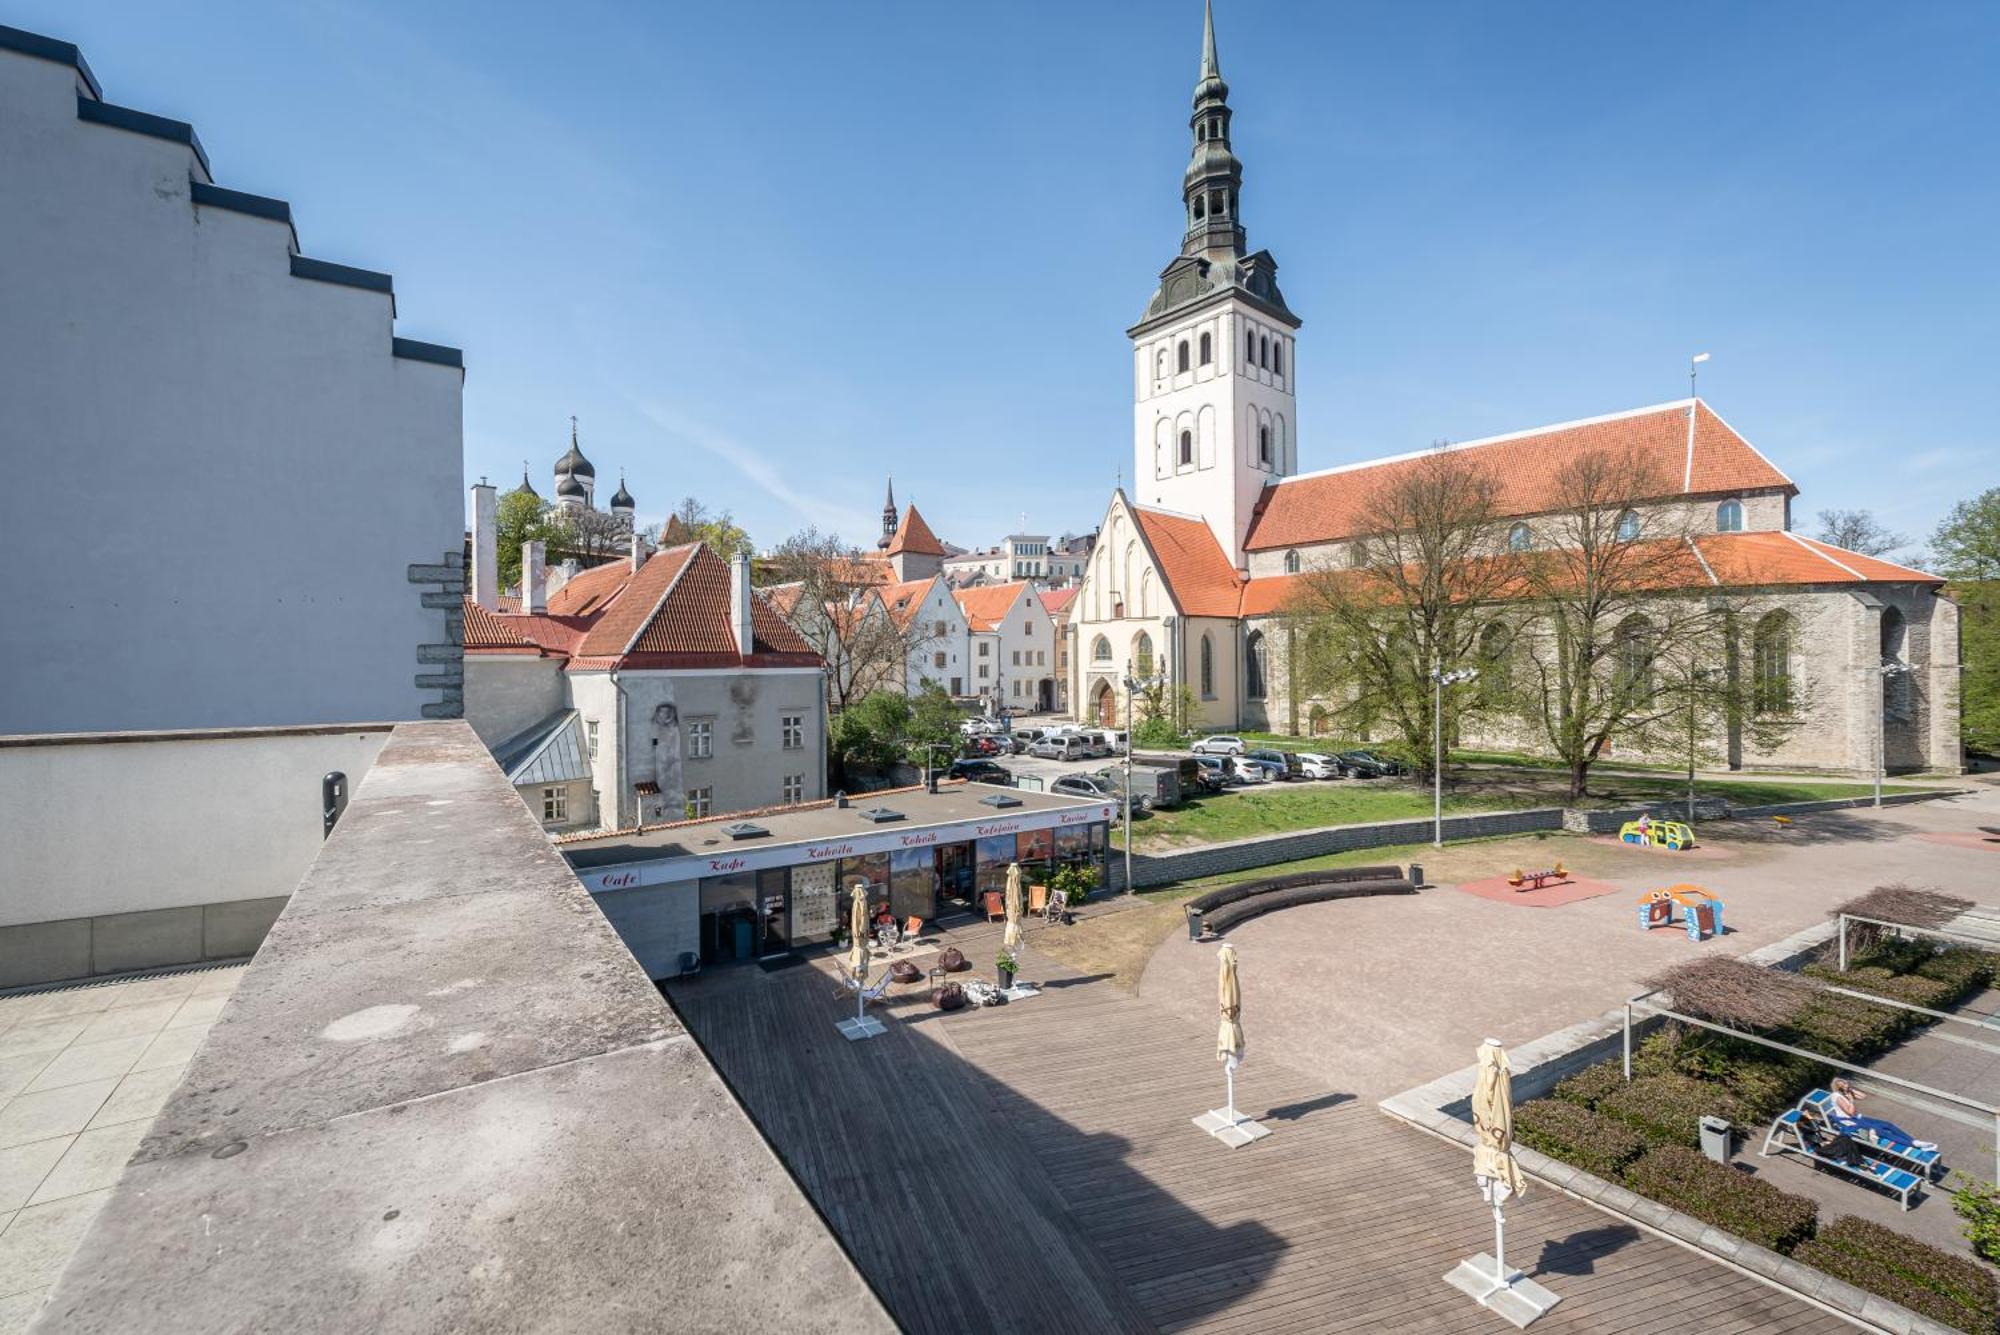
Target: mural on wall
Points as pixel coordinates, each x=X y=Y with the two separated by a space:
x=668 y=800
x=743 y=695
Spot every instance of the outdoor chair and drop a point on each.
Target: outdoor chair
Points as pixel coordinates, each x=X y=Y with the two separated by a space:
x=1803 y=1132
x=996 y=905
x=1058 y=907
x=849 y=985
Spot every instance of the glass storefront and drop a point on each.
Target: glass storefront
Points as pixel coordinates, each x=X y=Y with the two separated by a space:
x=913 y=881
x=729 y=922
x=991 y=860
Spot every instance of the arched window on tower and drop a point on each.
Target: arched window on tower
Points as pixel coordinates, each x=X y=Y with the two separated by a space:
x=1520 y=538
x=1207 y=350
x=1250 y=347
x=1253 y=665
x=1215 y=203
x=1160 y=365
x=1292 y=563
x=1200 y=208
x=1729 y=517
x=1182 y=356
x=1628 y=525
x=1264 y=353
x=1278 y=358
x=1264 y=446
x=1187 y=449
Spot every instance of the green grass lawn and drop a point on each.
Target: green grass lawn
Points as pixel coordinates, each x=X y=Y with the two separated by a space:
x=1282 y=808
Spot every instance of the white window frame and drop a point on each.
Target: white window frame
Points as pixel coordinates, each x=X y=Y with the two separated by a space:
x=700 y=802
x=590 y=736
x=700 y=738
x=794 y=789
x=792 y=731
x=555 y=804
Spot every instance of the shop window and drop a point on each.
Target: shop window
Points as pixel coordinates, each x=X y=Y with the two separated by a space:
x=913 y=883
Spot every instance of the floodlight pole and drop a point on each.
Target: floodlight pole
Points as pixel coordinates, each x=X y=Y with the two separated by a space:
x=1437 y=758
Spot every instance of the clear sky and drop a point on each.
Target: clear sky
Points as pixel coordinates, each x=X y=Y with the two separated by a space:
x=767 y=252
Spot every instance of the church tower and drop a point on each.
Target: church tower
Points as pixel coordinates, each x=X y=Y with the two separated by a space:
x=1214 y=416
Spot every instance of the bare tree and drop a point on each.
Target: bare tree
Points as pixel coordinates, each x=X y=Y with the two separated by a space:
x=591 y=536
x=1413 y=598
x=1859 y=531
x=831 y=593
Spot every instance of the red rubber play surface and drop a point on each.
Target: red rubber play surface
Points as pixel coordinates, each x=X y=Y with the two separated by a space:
x=1571 y=891
x=1961 y=839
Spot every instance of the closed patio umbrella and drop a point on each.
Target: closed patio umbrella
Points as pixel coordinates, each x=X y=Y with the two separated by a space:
x=860 y=1025
x=1012 y=937
x=1225 y=1123
x=1488 y=1278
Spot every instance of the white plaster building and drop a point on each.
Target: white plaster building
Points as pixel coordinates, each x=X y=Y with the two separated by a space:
x=1196 y=570
x=164 y=341
x=648 y=690
x=1014 y=654
x=1029 y=556
x=940 y=637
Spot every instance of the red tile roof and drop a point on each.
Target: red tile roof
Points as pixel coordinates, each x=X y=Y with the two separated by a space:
x=486 y=632
x=1056 y=601
x=588 y=591
x=1196 y=569
x=914 y=536
x=1340 y=503
x=987 y=605
x=904 y=600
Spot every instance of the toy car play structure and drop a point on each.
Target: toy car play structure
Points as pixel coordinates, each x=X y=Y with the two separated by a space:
x=1658 y=834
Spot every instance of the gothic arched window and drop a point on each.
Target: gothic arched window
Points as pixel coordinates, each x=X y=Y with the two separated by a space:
x=1253 y=665
x=1278 y=358
x=1142 y=655
x=1520 y=538
x=1250 y=346
x=1632 y=659
x=1183 y=356
x=1771 y=665
x=1264 y=446
x=1628 y=525
x=1207 y=668
x=1187 y=449
x=1100 y=650
x=1207 y=351
x=1729 y=517
x=1292 y=563
x=1264 y=353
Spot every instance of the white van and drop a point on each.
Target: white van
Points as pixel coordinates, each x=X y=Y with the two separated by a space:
x=1061 y=746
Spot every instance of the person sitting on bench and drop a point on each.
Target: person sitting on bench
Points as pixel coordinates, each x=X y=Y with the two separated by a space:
x=1848 y=1120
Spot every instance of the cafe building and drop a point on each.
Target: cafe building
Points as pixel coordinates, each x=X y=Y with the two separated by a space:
x=762 y=885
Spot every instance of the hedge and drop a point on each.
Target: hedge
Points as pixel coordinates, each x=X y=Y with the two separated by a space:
x=1966 y=969
x=1667 y=1109
x=1847 y=1028
x=1927 y=1280
x=1576 y=1135
x=1717 y=1194
x=1592 y=1083
x=1764 y=1083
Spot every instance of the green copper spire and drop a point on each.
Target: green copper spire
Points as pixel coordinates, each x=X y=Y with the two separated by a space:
x=1214 y=175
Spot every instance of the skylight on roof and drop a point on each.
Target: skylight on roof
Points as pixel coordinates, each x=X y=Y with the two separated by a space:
x=1000 y=800
x=744 y=829
x=881 y=815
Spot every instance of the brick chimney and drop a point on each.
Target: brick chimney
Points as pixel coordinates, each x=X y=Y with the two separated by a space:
x=534 y=577
x=739 y=604
x=485 y=546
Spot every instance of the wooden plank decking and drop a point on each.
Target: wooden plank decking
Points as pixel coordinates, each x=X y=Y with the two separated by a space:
x=1033 y=1167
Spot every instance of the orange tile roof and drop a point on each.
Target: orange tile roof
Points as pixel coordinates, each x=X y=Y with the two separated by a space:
x=590 y=590
x=904 y=600
x=914 y=536
x=987 y=605
x=1056 y=601
x=624 y=615
x=1196 y=570
x=1744 y=559
x=1340 y=503
x=486 y=632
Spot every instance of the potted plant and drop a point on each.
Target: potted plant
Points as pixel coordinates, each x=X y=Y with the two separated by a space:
x=1076 y=883
x=1004 y=965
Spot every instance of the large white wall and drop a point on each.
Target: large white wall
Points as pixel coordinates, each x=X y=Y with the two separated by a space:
x=219 y=475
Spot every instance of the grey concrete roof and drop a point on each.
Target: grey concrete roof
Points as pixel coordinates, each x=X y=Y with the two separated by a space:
x=952 y=802
x=445 y=1097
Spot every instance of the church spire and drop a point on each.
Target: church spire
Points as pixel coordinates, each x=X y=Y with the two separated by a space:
x=1214 y=176
x=888 y=515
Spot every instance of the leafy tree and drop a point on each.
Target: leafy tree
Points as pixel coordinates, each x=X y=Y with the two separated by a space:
x=522 y=517
x=1966 y=545
x=1979 y=685
x=886 y=727
x=1159 y=712
x=717 y=528
x=1858 y=531
x=1414 y=596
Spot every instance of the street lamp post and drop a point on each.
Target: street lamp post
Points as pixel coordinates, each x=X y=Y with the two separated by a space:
x=1132 y=685
x=1439 y=680
x=1695 y=681
x=1883 y=674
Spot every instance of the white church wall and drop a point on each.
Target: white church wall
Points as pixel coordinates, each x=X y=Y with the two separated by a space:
x=203 y=398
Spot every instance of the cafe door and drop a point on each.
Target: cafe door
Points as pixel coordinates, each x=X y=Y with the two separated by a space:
x=774 y=910
x=954 y=871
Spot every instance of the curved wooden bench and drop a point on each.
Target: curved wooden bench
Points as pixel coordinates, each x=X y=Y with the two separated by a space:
x=1230 y=894
x=1229 y=915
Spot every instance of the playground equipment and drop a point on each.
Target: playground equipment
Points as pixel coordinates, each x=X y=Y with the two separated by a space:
x=1694 y=908
x=1535 y=880
x=1658 y=833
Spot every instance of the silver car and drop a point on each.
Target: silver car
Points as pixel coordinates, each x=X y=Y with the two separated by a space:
x=1218 y=745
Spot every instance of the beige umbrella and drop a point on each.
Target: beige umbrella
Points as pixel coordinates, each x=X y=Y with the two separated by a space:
x=1493 y=1120
x=857 y=931
x=1011 y=940
x=1229 y=993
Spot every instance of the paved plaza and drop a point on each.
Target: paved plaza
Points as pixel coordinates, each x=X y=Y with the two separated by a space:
x=83 y=1070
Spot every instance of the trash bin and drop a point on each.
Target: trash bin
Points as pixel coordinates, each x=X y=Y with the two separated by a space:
x=1194 y=924
x=1717 y=1142
x=1416 y=873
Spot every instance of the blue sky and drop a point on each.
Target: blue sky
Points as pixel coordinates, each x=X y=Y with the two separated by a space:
x=767 y=252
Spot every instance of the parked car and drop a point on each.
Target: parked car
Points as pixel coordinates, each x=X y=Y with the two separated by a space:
x=1220 y=744
x=1097 y=785
x=1158 y=780
x=1367 y=765
x=1317 y=766
x=1285 y=765
x=1191 y=776
x=1389 y=764
x=1248 y=770
x=1216 y=773
x=977 y=724
x=1061 y=746
x=1098 y=741
x=983 y=745
x=980 y=771
x=1118 y=739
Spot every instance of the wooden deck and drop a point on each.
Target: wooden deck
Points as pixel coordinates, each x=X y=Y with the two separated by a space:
x=1033 y=1167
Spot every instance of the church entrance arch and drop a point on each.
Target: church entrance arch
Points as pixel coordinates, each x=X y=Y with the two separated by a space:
x=1105 y=705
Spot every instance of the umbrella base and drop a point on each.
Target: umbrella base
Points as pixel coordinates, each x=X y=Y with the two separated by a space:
x=1230 y=1127
x=1020 y=991
x=1518 y=1299
x=858 y=1027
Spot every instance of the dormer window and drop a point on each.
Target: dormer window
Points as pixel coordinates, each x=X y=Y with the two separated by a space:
x=1292 y=563
x=1520 y=538
x=1729 y=517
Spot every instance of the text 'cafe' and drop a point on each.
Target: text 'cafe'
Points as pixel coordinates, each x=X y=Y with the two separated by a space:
x=735 y=888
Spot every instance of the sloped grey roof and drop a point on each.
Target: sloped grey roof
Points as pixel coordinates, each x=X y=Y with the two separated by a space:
x=552 y=751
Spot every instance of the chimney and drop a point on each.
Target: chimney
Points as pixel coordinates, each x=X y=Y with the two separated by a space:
x=485 y=546
x=638 y=555
x=739 y=603
x=534 y=577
